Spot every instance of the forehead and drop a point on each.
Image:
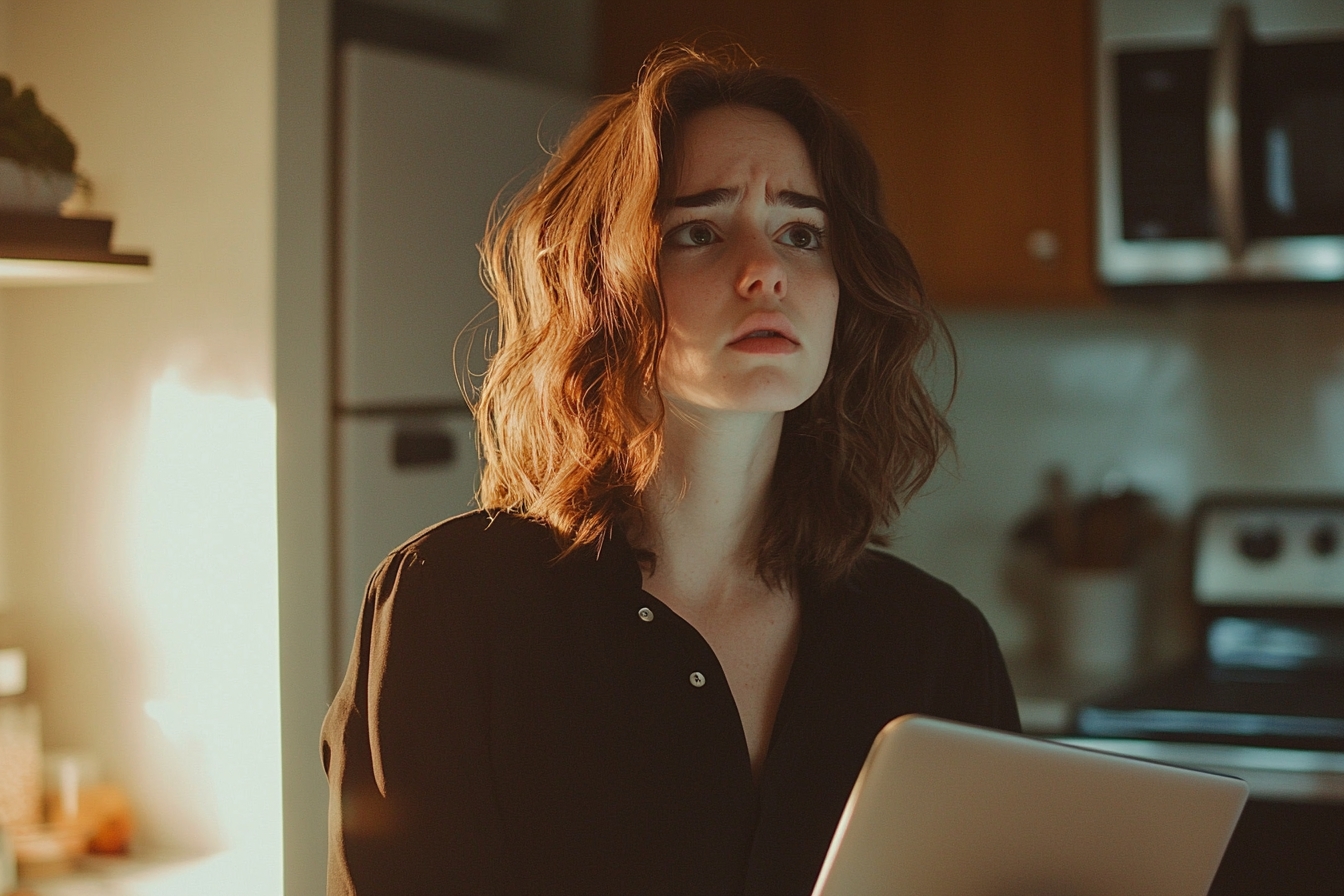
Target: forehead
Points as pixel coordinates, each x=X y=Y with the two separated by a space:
x=726 y=146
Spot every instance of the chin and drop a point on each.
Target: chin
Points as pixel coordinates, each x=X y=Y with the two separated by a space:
x=765 y=398
x=763 y=390
x=770 y=404
x=780 y=391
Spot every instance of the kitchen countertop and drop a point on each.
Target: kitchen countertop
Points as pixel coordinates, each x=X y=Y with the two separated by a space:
x=1302 y=776
x=226 y=873
x=1047 y=699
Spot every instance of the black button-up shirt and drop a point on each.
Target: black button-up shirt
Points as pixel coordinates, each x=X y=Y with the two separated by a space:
x=511 y=724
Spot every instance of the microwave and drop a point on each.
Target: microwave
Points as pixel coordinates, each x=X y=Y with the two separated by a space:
x=1220 y=142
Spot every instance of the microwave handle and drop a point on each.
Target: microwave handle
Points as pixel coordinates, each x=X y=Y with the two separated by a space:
x=1224 y=129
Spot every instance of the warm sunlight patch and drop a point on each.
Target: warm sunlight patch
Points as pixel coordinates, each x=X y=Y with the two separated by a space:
x=206 y=566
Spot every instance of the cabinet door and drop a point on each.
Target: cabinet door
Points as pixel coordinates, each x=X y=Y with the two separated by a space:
x=978 y=115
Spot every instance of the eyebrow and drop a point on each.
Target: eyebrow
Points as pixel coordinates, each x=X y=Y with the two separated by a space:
x=705 y=199
x=799 y=200
x=722 y=195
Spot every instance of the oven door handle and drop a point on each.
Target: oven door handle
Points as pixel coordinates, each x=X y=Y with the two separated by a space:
x=1224 y=129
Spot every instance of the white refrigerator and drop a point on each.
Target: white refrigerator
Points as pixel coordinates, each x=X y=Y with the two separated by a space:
x=425 y=145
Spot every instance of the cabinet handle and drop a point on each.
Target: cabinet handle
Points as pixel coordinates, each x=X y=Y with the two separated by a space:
x=1043 y=245
x=422 y=447
x=1224 y=129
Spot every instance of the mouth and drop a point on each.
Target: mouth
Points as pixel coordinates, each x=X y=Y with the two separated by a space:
x=760 y=338
x=763 y=327
x=764 y=334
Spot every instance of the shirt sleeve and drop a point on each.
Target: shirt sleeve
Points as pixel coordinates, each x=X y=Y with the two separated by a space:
x=963 y=674
x=1000 y=703
x=406 y=744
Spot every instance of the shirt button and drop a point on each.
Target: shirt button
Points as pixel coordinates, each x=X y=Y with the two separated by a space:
x=697 y=679
x=645 y=614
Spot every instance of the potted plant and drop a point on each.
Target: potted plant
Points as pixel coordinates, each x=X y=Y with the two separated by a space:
x=37 y=157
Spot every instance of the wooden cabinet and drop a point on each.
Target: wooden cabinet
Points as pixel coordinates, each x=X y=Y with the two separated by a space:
x=979 y=115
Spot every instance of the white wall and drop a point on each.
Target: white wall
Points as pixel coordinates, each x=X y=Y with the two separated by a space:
x=1177 y=401
x=172 y=106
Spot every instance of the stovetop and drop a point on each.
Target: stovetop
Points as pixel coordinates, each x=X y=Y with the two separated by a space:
x=1267 y=578
x=1205 y=702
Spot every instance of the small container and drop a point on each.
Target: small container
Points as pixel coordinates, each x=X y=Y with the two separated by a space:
x=20 y=745
x=33 y=191
x=95 y=813
x=68 y=774
x=1099 y=614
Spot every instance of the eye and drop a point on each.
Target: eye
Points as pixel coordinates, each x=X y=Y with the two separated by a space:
x=696 y=233
x=802 y=236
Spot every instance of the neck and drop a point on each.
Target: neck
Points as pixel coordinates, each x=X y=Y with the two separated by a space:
x=704 y=510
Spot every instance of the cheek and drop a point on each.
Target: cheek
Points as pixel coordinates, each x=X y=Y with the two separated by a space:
x=823 y=310
x=685 y=308
x=677 y=362
x=827 y=330
x=830 y=306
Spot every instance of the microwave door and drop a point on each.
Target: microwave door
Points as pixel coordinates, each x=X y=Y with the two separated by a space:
x=1156 y=213
x=1164 y=97
x=1293 y=140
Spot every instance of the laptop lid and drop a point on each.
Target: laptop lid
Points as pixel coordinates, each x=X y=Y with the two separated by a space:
x=946 y=809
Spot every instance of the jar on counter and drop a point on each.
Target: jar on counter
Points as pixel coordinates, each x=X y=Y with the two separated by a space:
x=21 y=778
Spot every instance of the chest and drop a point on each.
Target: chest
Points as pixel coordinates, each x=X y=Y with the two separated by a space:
x=616 y=743
x=754 y=642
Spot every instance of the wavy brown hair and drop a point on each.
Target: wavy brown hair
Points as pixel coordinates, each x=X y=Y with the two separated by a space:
x=569 y=414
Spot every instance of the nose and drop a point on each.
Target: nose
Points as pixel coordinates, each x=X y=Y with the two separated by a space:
x=761 y=274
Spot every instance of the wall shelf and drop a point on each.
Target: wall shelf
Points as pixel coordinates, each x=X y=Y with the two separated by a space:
x=48 y=250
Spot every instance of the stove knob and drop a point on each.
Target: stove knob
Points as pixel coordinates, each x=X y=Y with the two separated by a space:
x=1260 y=544
x=1324 y=540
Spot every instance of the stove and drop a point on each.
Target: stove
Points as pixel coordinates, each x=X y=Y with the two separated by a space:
x=1267 y=579
x=1264 y=699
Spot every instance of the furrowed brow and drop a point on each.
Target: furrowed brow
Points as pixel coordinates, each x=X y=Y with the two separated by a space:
x=718 y=196
x=798 y=200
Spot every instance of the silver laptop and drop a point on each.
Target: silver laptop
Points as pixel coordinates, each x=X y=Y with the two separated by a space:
x=946 y=809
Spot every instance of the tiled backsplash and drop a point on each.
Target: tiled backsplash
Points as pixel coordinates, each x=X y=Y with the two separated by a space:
x=1177 y=401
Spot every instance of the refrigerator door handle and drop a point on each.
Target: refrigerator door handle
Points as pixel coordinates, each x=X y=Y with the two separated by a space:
x=418 y=445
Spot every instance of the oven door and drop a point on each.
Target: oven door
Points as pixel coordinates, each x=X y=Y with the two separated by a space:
x=1222 y=162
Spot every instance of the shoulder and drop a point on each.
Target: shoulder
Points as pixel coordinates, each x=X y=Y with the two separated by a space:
x=483 y=539
x=466 y=561
x=920 y=630
x=886 y=586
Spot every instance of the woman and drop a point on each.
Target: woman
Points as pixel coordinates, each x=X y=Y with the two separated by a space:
x=656 y=660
